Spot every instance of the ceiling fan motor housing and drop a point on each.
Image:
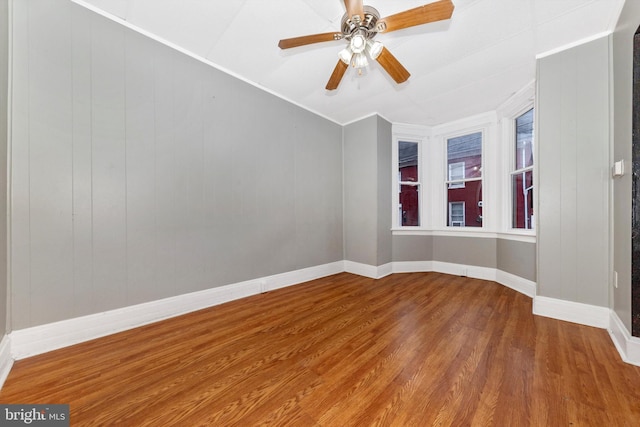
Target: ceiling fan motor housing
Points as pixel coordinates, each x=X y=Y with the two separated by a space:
x=367 y=26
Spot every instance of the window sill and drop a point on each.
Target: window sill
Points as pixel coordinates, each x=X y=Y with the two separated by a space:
x=517 y=235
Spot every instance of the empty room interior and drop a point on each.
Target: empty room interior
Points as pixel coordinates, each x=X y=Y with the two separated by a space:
x=321 y=213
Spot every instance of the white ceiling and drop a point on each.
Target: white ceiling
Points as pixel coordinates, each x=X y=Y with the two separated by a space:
x=460 y=67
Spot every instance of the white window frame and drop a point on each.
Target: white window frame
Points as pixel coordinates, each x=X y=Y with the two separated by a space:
x=518 y=104
x=522 y=171
x=419 y=135
x=449 y=183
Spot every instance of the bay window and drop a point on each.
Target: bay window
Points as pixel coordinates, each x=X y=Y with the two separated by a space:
x=472 y=177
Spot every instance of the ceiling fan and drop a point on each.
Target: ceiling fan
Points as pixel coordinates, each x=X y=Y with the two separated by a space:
x=360 y=25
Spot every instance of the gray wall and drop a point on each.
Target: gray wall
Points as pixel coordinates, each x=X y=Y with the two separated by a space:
x=465 y=250
x=517 y=258
x=511 y=256
x=384 y=138
x=4 y=68
x=360 y=191
x=574 y=174
x=622 y=57
x=412 y=248
x=139 y=173
x=367 y=191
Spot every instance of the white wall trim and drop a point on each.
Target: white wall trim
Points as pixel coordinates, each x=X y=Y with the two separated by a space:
x=465 y=124
x=374 y=114
x=472 y=271
x=360 y=269
x=40 y=339
x=295 y=277
x=6 y=361
x=584 y=314
x=516 y=235
x=367 y=270
x=385 y=270
x=517 y=283
x=627 y=346
x=412 y=266
x=574 y=44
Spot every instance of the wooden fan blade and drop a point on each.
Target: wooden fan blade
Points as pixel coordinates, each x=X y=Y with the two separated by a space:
x=354 y=7
x=431 y=12
x=336 y=76
x=310 y=39
x=392 y=66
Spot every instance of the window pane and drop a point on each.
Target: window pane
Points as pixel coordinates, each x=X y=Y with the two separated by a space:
x=409 y=193
x=465 y=205
x=409 y=205
x=408 y=161
x=522 y=187
x=466 y=149
x=524 y=140
x=456 y=173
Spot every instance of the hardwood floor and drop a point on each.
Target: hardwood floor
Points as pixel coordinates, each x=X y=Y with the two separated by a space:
x=416 y=349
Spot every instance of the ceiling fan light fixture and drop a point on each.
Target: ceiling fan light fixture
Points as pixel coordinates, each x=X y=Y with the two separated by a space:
x=345 y=55
x=360 y=61
x=374 y=49
x=358 y=43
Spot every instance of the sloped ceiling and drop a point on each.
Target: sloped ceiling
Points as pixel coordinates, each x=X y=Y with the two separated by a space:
x=460 y=67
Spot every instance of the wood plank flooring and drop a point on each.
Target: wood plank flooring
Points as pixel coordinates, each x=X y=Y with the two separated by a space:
x=417 y=349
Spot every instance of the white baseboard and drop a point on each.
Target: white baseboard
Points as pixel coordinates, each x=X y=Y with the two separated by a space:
x=516 y=283
x=366 y=270
x=412 y=266
x=290 y=278
x=385 y=270
x=6 y=361
x=40 y=339
x=627 y=346
x=584 y=314
x=524 y=286
x=472 y=271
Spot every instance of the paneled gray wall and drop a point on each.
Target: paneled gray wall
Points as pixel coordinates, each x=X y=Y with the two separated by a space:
x=622 y=56
x=140 y=173
x=385 y=244
x=367 y=191
x=573 y=174
x=360 y=191
x=4 y=74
